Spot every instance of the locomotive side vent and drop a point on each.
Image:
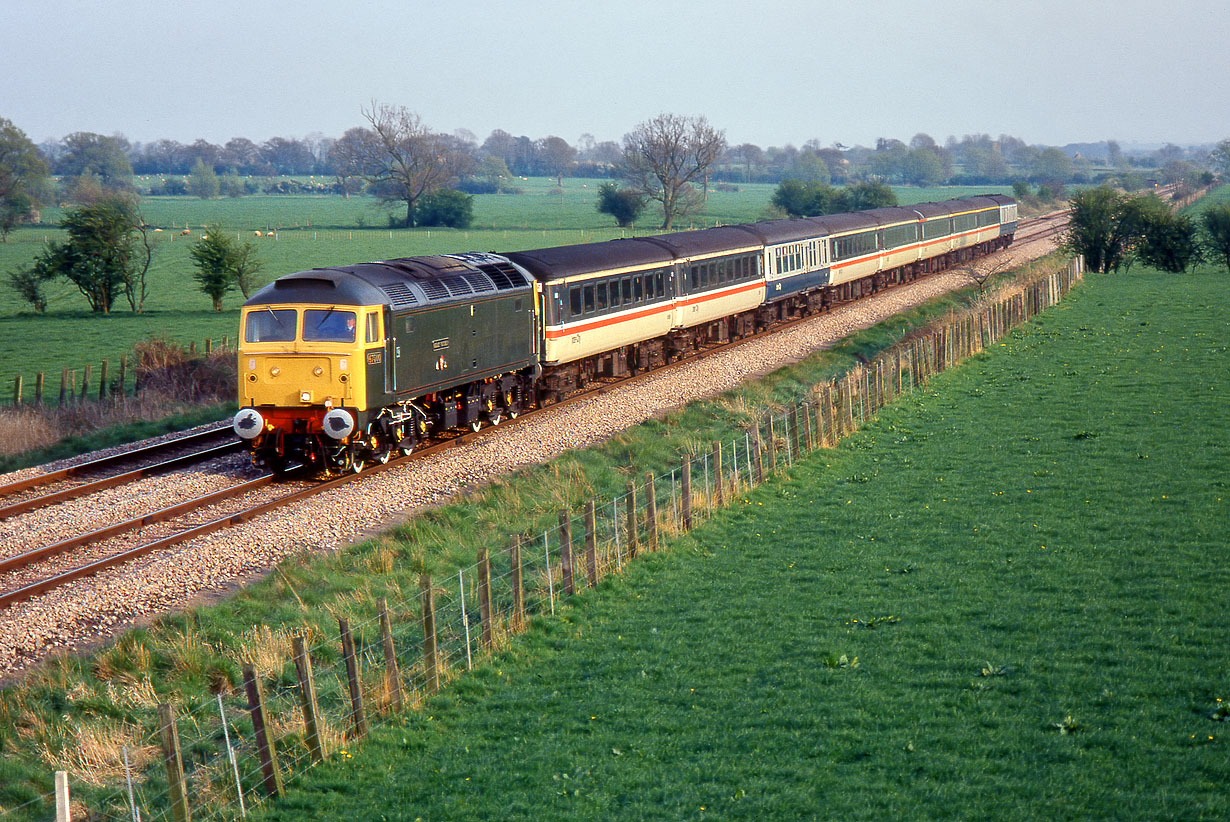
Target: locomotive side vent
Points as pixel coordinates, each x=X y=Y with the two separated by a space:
x=400 y=295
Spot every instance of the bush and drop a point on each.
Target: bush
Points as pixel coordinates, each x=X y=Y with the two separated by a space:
x=622 y=204
x=475 y=185
x=165 y=368
x=169 y=187
x=1169 y=242
x=28 y=283
x=446 y=207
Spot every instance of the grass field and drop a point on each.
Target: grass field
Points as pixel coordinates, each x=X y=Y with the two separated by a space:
x=316 y=231
x=999 y=601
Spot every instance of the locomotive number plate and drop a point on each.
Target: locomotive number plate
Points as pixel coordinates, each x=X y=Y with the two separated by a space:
x=375 y=357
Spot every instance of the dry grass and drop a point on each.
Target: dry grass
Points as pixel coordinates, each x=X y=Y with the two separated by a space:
x=171 y=382
x=94 y=753
x=266 y=650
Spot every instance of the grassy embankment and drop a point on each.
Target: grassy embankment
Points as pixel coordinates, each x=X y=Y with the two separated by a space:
x=1028 y=561
x=109 y=696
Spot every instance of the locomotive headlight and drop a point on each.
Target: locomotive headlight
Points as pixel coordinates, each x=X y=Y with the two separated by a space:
x=248 y=423
x=305 y=396
x=318 y=371
x=273 y=372
x=338 y=423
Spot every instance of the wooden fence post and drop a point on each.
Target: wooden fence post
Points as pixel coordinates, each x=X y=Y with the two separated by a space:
x=121 y=390
x=392 y=675
x=307 y=699
x=102 y=381
x=630 y=503
x=794 y=431
x=565 y=549
x=518 y=591
x=62 y=798
x=591 y=544
x=357 y=715
x=431 y=666
x=17 y=390
x=168 y=734
x=757 y=453
x=484 y=597
x=265 y=747
x=651 y=513
x=85 y=381
x=719 y=495
x=39 y=381
x=685 y=493
x=771 y=445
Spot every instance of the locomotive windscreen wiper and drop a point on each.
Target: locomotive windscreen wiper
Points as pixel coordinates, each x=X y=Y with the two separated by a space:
x=325 y=317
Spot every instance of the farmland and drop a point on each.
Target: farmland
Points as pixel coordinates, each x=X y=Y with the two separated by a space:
x=996 y=601
x=311 y=231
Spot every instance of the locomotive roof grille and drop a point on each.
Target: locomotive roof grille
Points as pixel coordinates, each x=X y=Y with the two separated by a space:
x=400 y=295
x=457 y=286
x=434 y=289
x=503 y=275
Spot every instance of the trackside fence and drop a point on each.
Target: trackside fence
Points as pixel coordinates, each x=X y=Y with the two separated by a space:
x=309 y=694
x=82 y=385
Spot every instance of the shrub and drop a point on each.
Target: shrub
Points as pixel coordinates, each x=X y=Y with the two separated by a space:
x=622 y=204
x=446 y=207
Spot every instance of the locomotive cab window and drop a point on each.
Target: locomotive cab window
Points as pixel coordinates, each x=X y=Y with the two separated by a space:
x=270 y=325
x=371 y=327
x=328 y=325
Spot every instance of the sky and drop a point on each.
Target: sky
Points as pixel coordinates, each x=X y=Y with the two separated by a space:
x=769 y=72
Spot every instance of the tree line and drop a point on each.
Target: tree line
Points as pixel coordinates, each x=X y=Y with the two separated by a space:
x=670 y=160
x=1114 y=229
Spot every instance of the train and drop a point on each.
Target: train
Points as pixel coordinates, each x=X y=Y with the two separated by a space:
x=345 y=366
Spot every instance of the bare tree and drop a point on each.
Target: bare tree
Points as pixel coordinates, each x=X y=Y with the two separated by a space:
x=983 y=270
x=402 y=158
x=665 y=155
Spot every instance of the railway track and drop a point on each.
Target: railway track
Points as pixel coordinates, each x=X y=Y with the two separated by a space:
x=32 y=493
x=38 y=570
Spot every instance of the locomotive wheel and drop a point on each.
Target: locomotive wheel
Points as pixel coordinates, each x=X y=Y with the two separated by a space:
x=477 y=424
x=384 y=453
x=494 y=419
x=513 y=413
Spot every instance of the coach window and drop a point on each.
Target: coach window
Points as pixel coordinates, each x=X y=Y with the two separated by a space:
x=589 y=299
x=626 y=287
x=601 y=296
x=574 y=301
x=614 y=293
x=659 y=288
x=638 y=287
x=371 y=328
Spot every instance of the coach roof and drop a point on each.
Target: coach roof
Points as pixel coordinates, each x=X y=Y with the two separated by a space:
x=569 y=260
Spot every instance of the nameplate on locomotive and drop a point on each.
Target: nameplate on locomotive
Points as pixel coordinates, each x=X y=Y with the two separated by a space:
x=440 y=344
x=375 y=357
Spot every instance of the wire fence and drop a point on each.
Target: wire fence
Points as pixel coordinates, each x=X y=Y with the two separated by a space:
x=308 y=695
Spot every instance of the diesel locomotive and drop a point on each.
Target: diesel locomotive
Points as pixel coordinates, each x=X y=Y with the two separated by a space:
x=342 y=366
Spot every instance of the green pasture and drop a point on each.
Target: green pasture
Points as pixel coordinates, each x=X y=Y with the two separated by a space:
x=1004 y=599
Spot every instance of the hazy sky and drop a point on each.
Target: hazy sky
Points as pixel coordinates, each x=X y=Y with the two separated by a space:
x=1047 y=71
